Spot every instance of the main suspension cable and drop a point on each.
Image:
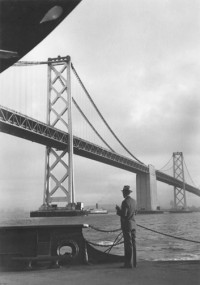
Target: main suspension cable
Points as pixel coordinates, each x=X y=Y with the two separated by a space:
x=84 y=116
x=189 y=173
x=99 y=113
x=167 y=169
x=28 y=63
x=166 y=164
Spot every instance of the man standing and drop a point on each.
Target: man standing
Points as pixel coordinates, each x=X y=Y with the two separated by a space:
x=128 y=226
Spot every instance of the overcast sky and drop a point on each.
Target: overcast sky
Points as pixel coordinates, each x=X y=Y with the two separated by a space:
x=140 y=61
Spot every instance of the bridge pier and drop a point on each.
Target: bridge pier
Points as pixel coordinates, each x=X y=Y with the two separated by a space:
x=146 y=191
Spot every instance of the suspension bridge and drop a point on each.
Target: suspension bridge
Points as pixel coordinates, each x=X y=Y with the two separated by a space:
x=57 y=134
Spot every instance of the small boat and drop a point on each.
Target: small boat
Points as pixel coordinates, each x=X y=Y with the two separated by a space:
x=97 y=210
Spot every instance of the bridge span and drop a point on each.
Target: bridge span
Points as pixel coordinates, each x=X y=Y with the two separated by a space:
x=17 y=124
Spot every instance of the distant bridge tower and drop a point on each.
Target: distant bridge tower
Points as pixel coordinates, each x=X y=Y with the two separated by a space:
x=179 y=193
x=59 y=169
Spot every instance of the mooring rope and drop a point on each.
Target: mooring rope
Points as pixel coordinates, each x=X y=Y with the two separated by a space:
x=172 y=236
x=157 y=232
x=104 y=231
x=117 y=241
x=104 y=245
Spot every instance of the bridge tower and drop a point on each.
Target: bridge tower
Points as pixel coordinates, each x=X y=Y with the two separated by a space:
x=59 y=165
x=179 y=193
x=146 y=190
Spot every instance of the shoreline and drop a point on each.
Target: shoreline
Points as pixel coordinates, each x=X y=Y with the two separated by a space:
x=146 y=273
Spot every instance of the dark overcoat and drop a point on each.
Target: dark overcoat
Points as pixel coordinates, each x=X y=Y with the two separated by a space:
x=127 y=214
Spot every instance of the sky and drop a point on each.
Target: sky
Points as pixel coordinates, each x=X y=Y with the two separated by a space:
x=140 y=61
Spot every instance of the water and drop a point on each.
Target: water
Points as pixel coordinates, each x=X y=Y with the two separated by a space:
x=150 y=246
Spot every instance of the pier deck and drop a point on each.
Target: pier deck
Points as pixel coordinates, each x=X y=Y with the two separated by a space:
x=147 y=273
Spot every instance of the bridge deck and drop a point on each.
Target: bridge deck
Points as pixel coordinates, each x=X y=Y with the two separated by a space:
x=17 y=124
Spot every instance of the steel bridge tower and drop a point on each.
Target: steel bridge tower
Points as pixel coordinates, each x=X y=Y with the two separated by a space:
x=59 y=165
x=179 y=193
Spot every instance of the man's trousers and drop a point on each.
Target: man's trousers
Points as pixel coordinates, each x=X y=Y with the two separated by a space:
x=129 y=248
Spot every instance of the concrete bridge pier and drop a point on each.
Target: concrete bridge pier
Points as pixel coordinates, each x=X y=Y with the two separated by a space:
x=146 y=191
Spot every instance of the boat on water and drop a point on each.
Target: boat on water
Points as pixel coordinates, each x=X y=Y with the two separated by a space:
x=97 y=210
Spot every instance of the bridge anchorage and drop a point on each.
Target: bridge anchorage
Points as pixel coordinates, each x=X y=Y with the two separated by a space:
x=62 y=189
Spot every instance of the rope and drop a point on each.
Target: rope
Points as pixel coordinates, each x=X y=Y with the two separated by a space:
x=101 y=245
x=168 y=235
x=101 y=116
x=104 y=231
x=118 y=239
x=115 y=243
x=97 y=244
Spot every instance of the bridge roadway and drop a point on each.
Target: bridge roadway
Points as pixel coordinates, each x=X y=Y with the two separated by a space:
x=17 y=124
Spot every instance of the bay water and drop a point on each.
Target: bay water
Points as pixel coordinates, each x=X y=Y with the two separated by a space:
x=150 y=245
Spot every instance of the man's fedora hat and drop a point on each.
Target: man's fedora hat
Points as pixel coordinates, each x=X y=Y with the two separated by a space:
x=127 y=189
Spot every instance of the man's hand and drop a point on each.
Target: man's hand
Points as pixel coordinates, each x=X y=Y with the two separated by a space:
x=117 y=208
